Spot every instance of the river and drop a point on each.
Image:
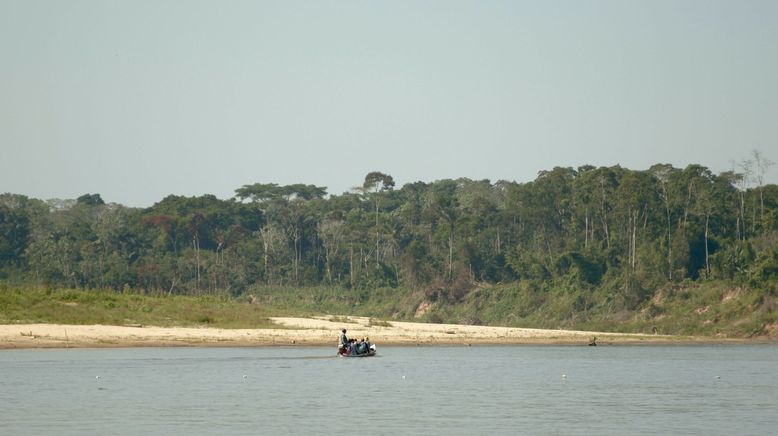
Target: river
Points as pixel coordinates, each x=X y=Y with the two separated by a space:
x=537 y=390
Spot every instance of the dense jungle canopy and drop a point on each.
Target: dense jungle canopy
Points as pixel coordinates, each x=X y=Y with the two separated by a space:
x=631 y=231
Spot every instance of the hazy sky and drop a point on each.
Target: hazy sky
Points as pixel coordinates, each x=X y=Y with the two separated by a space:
x=136 y=100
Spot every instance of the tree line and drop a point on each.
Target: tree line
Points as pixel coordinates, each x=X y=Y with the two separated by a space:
x=585 y=227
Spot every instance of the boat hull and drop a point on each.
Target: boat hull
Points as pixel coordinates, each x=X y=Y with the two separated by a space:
x=370 y=353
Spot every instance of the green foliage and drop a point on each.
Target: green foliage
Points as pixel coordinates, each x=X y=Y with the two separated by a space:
x=764 y=270
x=583 y=268
x=378 y=323
x=378 y=181
x=14 y=233
x=70 y=306
x=585 y=241
x=714 y=309
x=732 y=261
x=90 y=200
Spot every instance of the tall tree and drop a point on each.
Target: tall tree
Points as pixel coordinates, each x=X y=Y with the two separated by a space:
x=331 y=231
x=664 y=173
x=761 y=165
x=376 y=182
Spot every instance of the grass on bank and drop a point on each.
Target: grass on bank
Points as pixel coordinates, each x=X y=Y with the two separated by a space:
x=68 y=306
x=21 y=305
x=715 y=309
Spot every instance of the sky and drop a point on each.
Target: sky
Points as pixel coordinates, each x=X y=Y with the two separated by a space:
x=137 y=100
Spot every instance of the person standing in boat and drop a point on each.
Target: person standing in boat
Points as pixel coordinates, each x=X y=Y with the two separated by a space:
x=342 y=342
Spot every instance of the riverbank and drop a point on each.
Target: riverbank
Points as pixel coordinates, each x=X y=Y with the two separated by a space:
x=308 y=331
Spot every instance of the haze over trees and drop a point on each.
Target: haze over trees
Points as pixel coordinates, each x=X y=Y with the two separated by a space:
x=620 y=232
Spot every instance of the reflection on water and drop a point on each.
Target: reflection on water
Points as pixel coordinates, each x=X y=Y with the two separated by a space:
x=403 y=390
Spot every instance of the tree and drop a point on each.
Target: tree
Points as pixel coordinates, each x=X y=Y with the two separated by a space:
x=602 y=230
x=442 y=205
x=14 y=232
x=271 y=238
x=637 y=197
x=663 y=173
x=743 y=180
x=331 y=231
x=271 y=192
x=761 y=165
x=375 y=183
x=90 y=200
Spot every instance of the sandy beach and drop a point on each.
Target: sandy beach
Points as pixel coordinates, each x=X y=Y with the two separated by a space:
x=300 y=331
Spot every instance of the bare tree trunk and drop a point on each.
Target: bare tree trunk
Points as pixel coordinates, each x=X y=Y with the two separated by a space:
x=450 y=254
x=377 y=242
x=761 y=164
x=747 y=167
x=267 y=273
x=351 y=265
x=632 y=236
x=196 y=246
x=100 y=265
x=269 y=237
x=737 y=227
x=297 y=257
x=327 y=264
x=669 y=233
x=604 y=215
x=742 y=217
x=761 y=205
x=689 y=191
x=753 y=219
x=634 y=240
x=707 y=262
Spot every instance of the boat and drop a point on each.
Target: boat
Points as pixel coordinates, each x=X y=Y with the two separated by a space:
x=371 y=351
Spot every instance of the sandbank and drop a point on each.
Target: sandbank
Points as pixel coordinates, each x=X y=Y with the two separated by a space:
x=303 y=331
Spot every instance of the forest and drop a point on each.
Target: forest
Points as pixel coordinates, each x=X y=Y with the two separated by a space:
x=605 y=237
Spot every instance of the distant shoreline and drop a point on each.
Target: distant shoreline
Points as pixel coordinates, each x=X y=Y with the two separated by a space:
x=320 y=331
